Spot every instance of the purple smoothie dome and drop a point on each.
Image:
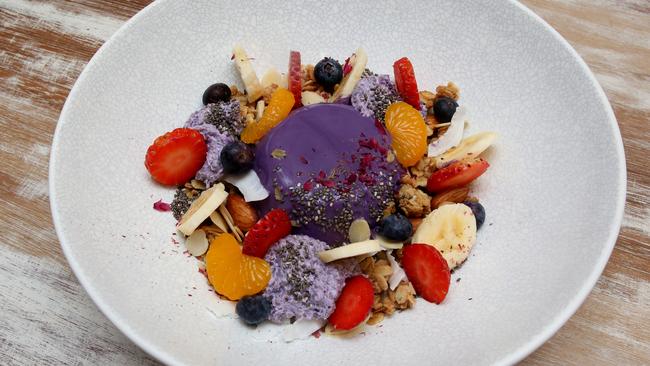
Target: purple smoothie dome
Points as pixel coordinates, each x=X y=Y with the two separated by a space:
x=326 y=166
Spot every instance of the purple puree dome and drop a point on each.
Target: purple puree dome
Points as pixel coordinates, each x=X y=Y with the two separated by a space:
x=326 y=166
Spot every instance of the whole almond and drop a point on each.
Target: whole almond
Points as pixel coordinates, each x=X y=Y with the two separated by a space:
x=456 y=195
x=243 y=214
x=415 y=222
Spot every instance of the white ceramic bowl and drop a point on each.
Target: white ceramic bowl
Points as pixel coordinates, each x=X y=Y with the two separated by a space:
x=554 y=194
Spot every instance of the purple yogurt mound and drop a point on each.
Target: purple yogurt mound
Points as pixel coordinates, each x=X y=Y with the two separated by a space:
x=335 y=170
x=225 y=116
x=301 y=285
x=212 y=170
x=373 y=94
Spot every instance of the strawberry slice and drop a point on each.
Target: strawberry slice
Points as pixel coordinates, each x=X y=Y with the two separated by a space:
x=295 y=78
x=175 y=157
x=427 y=270
x=407 y=86
x=458 y=174
x=353 y=304
x=274 y=226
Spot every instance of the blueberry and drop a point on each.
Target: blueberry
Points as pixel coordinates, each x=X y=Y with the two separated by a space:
x=237 y=157
x=396 y=227
x=479 y=212
x=218 y=92
x=328 y=72
x=444 y=108
x=253 y=310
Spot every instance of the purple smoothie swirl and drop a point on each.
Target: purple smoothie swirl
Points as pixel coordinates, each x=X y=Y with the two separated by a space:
x=326 y=165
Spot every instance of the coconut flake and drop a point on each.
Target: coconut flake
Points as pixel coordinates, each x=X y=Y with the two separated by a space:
x=398 y=273
x=301 y=329
x=249 y=185
x=162 y=206
x=197 y=243
x=452 y=137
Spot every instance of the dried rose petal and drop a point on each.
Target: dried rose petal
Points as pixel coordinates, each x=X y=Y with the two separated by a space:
x=162 y=206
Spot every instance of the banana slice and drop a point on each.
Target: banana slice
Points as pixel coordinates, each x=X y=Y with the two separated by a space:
x=350 y=250
x=358 y=62
x=201 y=209
x=247 y=73
x=469 y=147
x=451 y=229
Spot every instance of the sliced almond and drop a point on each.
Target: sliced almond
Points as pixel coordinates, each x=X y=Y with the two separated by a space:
x=389 y=244
x=359 y=231
x=197 y=243
x=231 y=224
x=350 y=250
x=218 y=220
x=259 y=111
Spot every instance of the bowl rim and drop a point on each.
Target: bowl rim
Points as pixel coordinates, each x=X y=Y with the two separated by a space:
x=511 y=358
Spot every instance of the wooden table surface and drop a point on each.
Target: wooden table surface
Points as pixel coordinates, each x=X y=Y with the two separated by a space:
x=47 y=318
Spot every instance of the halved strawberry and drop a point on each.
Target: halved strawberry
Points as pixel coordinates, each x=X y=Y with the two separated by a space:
x=405 y=82
x=427 y=270
x=354 y=303
x=175 y=157
x=274 y=226
x=295 y=78
x=458 y=174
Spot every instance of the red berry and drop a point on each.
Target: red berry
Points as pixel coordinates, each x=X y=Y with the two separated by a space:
x=295 y=78
x=354 y=303
x=458 y=174
x=175 y=157
x=427 y=270
x=407 y=86
x=274 y=226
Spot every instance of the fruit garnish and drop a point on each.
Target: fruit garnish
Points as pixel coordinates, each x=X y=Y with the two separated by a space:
x=253 y=310
x=175 y=157
x=451 y=229
x=451 y=138
x=350 y=80
x=444 y=109
x=278 y=109
x=350 y=250
x=479 y=212
x=247 y=73
x=458 y=174
x=218 y=92
x=427 y=270
x=408 y=133
x=469 y=147
x=201 y=208
x=295 y=78
x=328 y=72
x=354 y=303
x=274 y=226
x=232 y=273
x=396 y=227
x=236 y=157
x=407 y=86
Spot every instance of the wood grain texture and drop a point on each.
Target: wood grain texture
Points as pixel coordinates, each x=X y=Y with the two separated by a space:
x=48 y=319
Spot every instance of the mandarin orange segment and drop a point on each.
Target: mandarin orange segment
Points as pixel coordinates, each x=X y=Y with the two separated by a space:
x=408 y=133
x=278 y=109
x=233 y=274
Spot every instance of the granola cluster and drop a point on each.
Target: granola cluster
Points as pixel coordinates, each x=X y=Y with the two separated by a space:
x=386 y=300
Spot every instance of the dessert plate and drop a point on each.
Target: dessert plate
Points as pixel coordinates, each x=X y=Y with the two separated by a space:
x=554 y=195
